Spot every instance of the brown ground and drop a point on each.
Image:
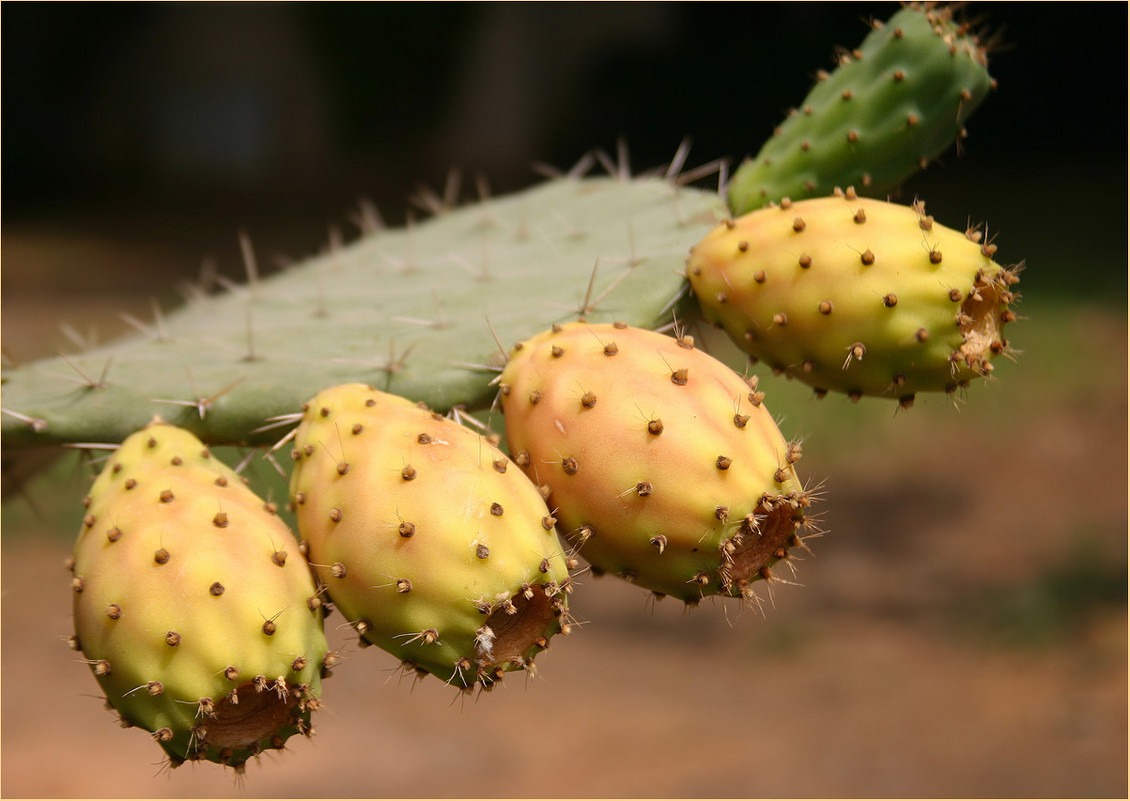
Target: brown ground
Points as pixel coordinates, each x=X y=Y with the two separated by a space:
x=962 y=631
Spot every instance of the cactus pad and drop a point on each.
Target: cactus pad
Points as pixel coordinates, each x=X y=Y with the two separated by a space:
x=406 y=310
x=885 y=112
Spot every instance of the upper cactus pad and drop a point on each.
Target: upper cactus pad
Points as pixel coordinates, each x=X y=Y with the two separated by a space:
x=891 y=106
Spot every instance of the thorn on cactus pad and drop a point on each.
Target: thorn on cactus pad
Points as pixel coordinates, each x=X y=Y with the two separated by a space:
x=856 y=350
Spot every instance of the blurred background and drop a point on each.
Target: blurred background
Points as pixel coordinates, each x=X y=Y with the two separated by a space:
x=962 y=629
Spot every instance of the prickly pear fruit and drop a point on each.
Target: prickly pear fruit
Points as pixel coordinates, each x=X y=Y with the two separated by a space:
x=889 y=108
x=856 y=295
x=426 y=537
x=663 y=465
x=193 y=603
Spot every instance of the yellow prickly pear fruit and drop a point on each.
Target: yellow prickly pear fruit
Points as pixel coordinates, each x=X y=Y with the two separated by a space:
x=193 y=603
x=661 y=464
x=856 y=295
x=426 y=537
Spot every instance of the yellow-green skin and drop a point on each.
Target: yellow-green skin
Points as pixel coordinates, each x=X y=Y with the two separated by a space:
x=189 y=589
x=663 y=465
x=856 y=295
x=430 y=542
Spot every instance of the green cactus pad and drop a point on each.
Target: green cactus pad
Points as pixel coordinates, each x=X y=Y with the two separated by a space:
x=409 y=311
x=884 y=113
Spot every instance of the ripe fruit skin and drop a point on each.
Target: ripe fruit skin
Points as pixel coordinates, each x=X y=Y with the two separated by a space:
x=429 y=541
x=856 y=295
x=662 y=465
x=191 y=603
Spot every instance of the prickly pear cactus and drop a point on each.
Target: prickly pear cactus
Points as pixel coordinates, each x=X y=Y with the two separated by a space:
x=193 y=603
x=663 y=466
x=885 y=112
x=409 y=311
x=855 y=295
x=429 y=540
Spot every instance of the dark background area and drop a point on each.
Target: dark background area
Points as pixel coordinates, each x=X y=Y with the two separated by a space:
x=181 y=123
